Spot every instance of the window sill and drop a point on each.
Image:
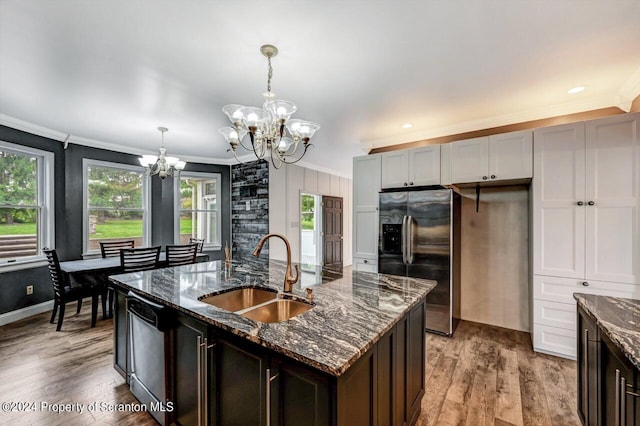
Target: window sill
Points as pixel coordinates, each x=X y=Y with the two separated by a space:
x=18 y=266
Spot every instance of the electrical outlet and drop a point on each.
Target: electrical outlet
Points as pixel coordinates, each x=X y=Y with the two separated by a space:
x=29 y=290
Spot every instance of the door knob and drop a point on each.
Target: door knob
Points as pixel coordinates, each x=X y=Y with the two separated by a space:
x=580 y=203
x=591 y=203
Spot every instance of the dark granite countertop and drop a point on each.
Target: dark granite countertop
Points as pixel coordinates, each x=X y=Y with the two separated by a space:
x=352 y=309
x=618 y=318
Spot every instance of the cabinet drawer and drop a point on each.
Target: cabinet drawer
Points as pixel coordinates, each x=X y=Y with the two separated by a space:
x=554 y=314
x=561 y=290
x=365 y=265
x=554 y=340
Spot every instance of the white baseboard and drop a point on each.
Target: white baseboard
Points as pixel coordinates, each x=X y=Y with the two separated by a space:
x=27 y=312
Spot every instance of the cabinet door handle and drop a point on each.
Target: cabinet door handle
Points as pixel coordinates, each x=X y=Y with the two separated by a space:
x=580 y=203
x=586 y=374
x=199 y=362
x=405 y=184
x=623 y=401
x=268 y=381
x=585 y=283
x=484 y=178
x=493 y=176
x=410 y=183
x=366 y=261
x=616 y=405
x=591 y=203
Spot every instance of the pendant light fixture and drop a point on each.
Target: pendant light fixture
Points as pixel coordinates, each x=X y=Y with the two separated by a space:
x=271 y=131
x=162 y=165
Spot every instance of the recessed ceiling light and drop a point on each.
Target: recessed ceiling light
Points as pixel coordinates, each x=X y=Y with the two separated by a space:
x=407 y=125
x=576 y=89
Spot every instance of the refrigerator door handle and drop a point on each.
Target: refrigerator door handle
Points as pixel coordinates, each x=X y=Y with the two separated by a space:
x=410 y=240
x=404 y=239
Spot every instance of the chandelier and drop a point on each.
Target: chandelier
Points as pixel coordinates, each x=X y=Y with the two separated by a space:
x=271 y=131
x=162 y=165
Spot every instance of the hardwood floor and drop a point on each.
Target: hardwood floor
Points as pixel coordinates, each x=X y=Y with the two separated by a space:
x=487 y=375
x=482 y=376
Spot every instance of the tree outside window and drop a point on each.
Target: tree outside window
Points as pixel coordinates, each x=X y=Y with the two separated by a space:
x=115 y=205
x=199 y=208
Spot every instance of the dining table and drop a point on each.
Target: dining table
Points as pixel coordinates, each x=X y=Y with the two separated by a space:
x=95 y=272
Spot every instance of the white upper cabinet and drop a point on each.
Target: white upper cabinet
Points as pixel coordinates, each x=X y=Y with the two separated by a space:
x=366 y=185
x=510 y=155
x=585 y=200
x=414 y=167
x=489 y=158
x=612 y=199
x=558 y=188
x=470 y=160
x=395 y=169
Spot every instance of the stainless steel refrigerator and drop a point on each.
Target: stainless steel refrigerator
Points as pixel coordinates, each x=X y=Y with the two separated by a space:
x=420 y=237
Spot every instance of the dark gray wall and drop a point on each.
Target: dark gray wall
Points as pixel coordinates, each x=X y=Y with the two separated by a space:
x=250 y=184
x=68 y=210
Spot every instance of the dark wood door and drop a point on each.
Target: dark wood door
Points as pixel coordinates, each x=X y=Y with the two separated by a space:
x=332 y=231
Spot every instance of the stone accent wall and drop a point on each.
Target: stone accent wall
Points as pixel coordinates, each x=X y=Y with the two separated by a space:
x=250 y=183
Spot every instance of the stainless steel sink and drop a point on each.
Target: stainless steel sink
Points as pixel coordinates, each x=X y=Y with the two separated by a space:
x=277 y=310
x=242 y=298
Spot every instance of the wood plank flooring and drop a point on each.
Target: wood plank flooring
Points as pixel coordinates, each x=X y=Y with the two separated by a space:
x=482 y=376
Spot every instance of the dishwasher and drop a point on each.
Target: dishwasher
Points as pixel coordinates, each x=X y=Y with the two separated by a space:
x=149 y=343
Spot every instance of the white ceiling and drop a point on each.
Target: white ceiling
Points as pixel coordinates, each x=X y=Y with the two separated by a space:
x=109 y=72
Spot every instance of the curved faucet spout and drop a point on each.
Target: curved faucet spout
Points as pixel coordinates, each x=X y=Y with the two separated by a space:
x=289 y=280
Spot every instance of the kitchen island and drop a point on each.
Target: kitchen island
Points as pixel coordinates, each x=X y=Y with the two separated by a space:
x=608 y=360
x=355 y=357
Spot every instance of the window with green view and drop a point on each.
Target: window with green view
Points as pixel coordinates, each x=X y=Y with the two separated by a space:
x=198 y=216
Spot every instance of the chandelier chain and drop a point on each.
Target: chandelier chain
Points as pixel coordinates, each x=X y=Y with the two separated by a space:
x=269 y=75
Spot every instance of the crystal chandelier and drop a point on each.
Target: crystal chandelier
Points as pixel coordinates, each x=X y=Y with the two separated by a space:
x=271 y=131
x=162 y=166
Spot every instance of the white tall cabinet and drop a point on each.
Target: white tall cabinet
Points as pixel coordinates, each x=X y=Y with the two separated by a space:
x=366 y=185
x=586 y=221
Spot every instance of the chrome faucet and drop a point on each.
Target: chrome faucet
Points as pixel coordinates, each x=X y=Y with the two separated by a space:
x=289 y=281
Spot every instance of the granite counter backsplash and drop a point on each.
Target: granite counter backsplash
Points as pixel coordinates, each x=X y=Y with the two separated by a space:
x=352 y=311
x=618 y=318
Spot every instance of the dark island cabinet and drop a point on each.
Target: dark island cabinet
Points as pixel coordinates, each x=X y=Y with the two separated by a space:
x=120 y=332
x=608 y=384
x=219 y=378
x=193 y=361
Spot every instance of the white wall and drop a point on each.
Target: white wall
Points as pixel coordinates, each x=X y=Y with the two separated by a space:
x=495 y=257
x=285 y=186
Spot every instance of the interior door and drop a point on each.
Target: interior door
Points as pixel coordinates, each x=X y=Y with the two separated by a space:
x=332 y=231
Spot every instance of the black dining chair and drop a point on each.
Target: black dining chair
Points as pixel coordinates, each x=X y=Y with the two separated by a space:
x=141 y=259
x=181 y=254
x=64 y=292
x=112 y=249
x=199 y=241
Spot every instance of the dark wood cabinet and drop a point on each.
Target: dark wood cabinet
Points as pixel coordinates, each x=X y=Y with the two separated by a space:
x=193 y=360
x=120 y=332
x=618 y=381
x=608 y=383
x=588 y=346
x=222 y=379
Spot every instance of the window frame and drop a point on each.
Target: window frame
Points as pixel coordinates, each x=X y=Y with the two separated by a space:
x=146 y=201
x=45 y=199
x=177 y=209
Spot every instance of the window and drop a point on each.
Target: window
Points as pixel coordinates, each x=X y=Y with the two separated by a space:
x=26 y=203
x=116 y=200
x=198 y=208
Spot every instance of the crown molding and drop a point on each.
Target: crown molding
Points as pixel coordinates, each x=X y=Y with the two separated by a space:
x=34 y=129
x=629 y=91
x=496 y=121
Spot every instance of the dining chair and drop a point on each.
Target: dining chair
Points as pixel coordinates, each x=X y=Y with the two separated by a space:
x=141 y=259
x=199 y=241
x=64 y=292
x=112 y=248
x=181 y=254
